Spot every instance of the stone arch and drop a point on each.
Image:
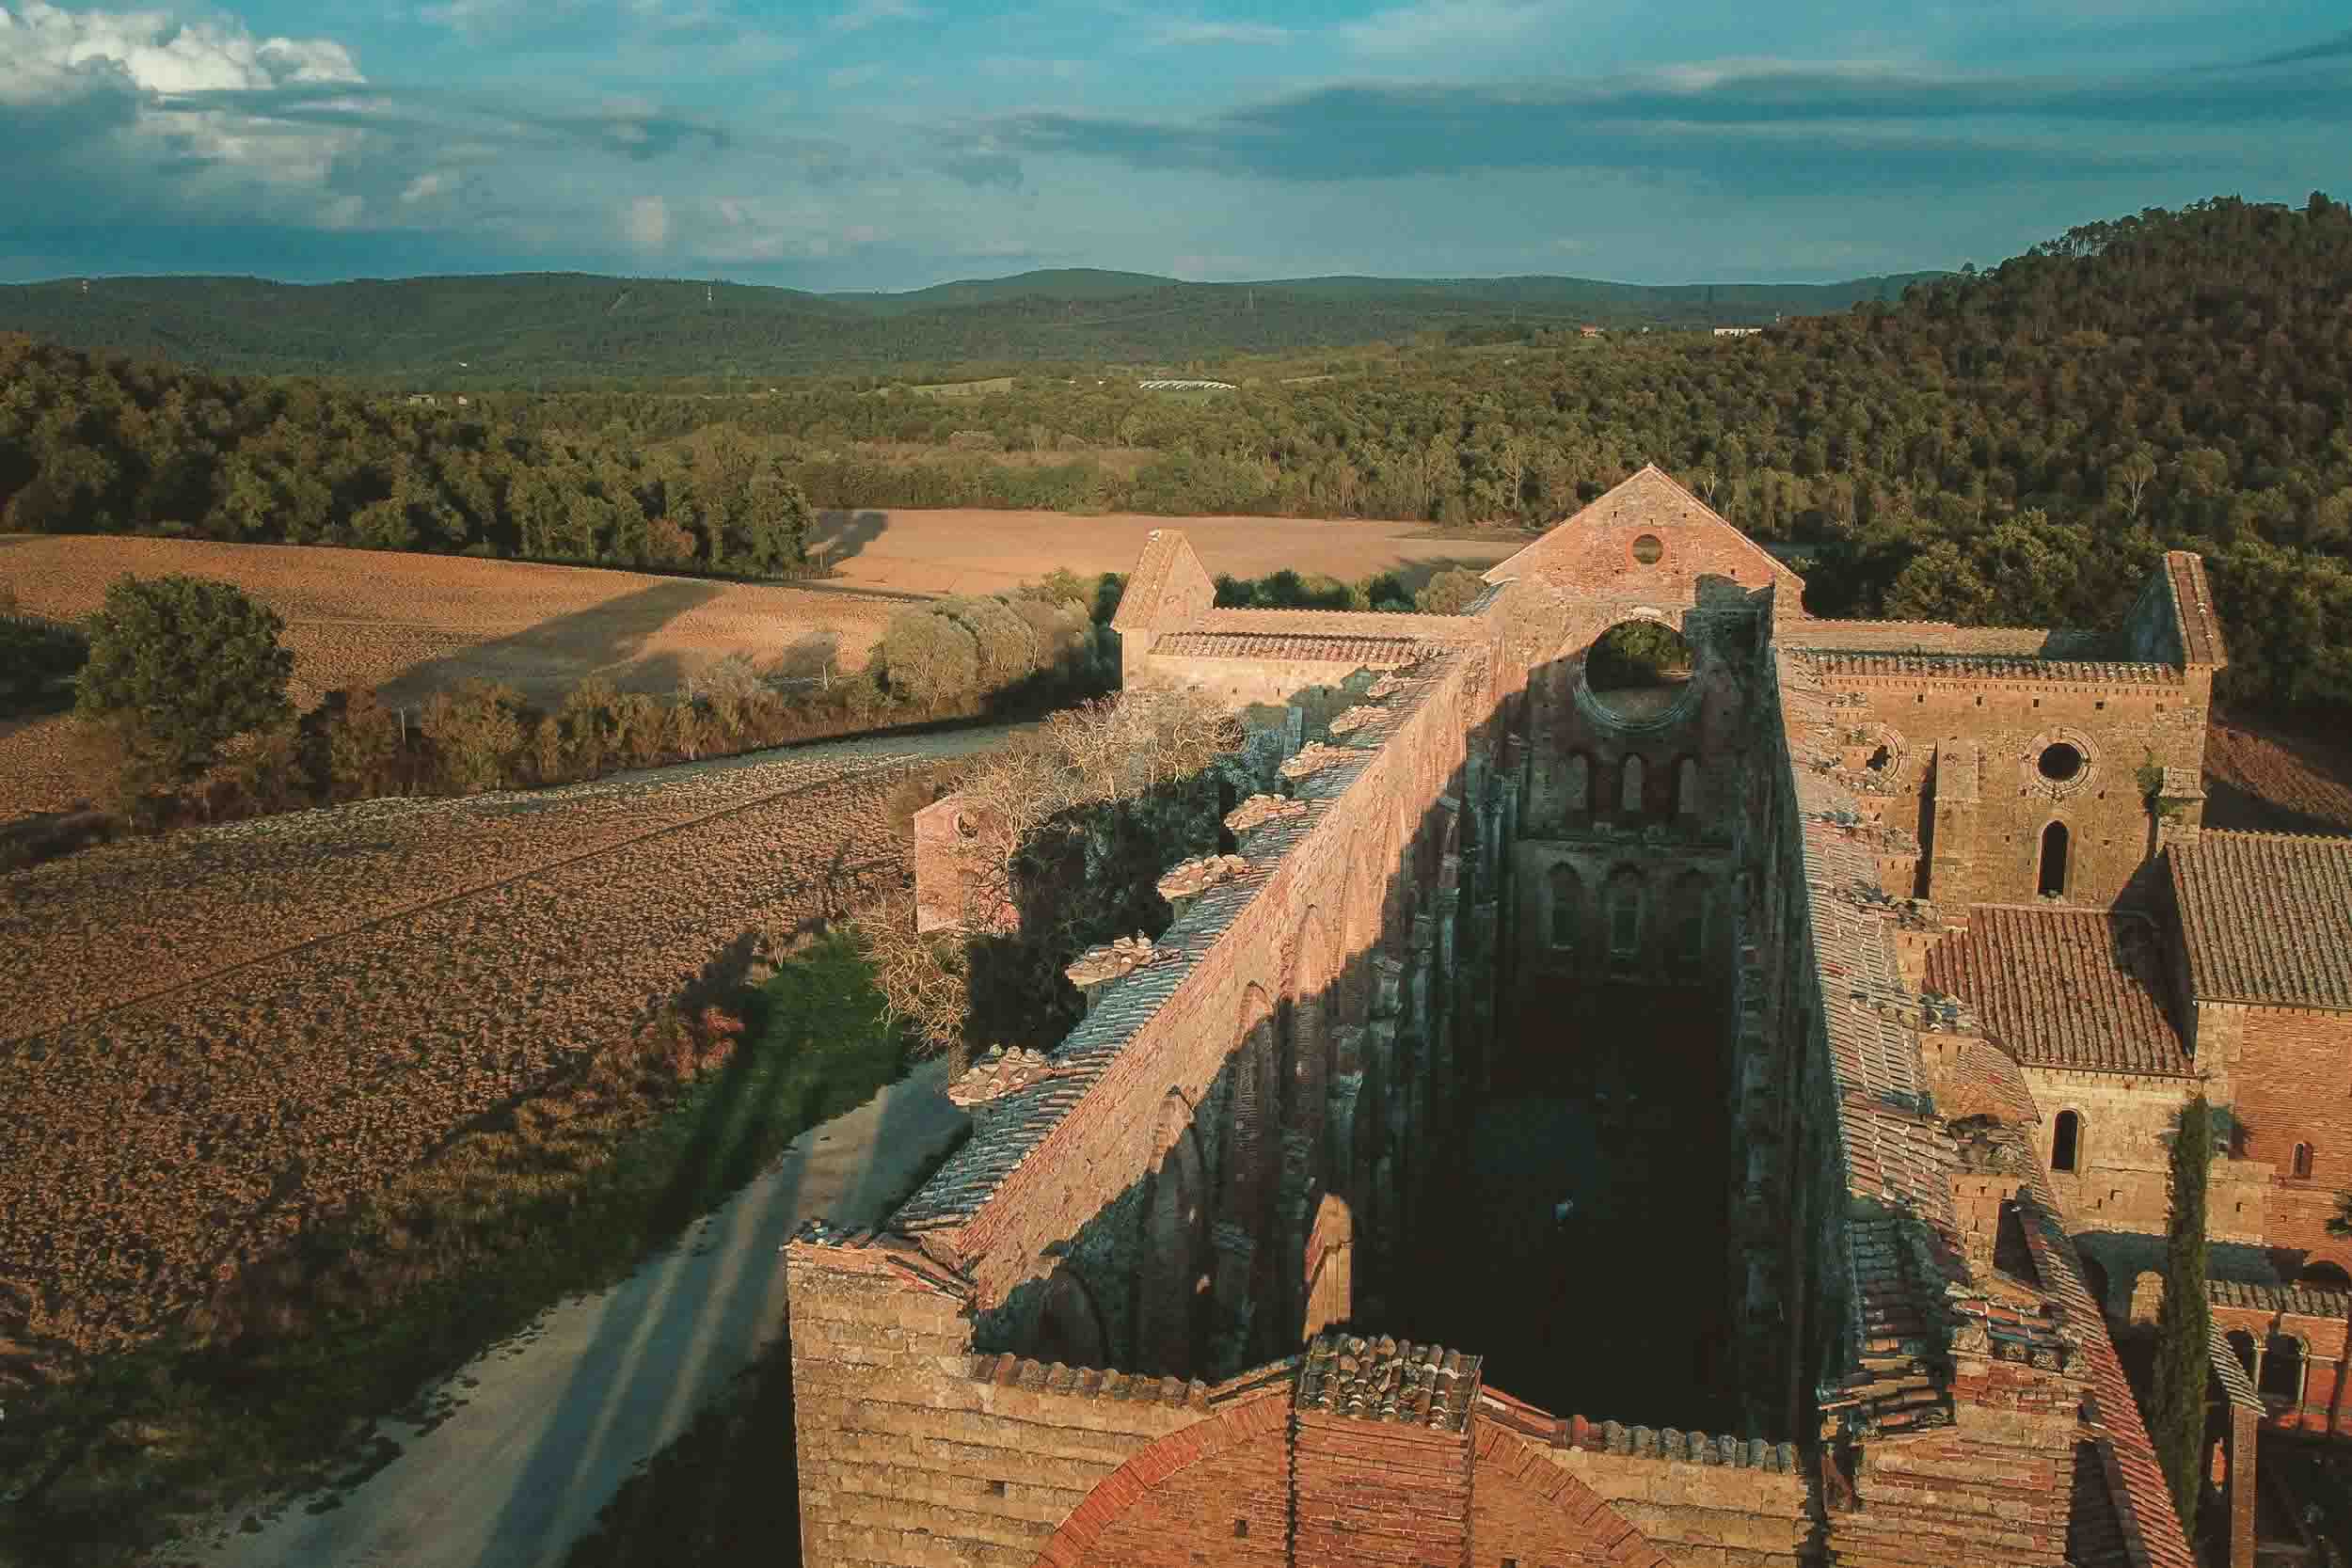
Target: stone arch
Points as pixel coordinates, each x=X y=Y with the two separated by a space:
x=1526 y=1508
x=1069 y=1329
x=1630 y=784
x=2095 y=1281
x=1174 y=1230
x=2147 y=1296
x=1314 y=968
x=1687 y=787
x=1250 y=1132
x=2242 y=1346
x=2282 y=1368
x=1360 y=927
x=1162 y=1492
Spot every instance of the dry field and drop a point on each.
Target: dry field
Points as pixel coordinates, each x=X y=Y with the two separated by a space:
x=216 y=1035
x=411 y=623
x=972 y=551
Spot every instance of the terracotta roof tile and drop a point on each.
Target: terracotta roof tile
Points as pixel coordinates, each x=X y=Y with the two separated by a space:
x=2201 y=628
x=2267 y=917
x=2302 y=1300
x=1357 y=652
x=1140 y=600
x=2064 y=988
x=1389 y=1379
x=1987 y=666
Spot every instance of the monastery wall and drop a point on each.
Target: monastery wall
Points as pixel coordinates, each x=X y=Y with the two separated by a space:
x=2290 y=1070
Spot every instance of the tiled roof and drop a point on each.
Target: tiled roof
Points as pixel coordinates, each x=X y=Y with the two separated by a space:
x=1412 y=624
x=1389 y=1379
x=2064 y=988
x=2201 y=628
x=2267 y=917
x=1140 y=600
x=1942 y=637
x=2238 y=1384
x=1357 y=652
x=2012 y=667
x=2301 y=1300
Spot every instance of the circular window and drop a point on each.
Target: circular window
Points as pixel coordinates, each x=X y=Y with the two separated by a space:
x=1650 y=549
x=2060 y=761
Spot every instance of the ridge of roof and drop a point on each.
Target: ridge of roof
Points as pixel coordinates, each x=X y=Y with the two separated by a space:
x=1648 y=474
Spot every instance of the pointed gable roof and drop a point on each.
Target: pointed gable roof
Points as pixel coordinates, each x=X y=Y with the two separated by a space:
x=1166 y=570
x=1587 y=551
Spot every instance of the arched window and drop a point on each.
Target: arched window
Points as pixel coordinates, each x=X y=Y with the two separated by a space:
x=2242 y=1345
x=1690 y=920
x=1568 y=908
x=1630 y=796
x=2324 y=1275
x=1578 y=788
x=2302 y=1165
x=1687 y=787
x=2282 y=1368
x=1624 y=914
x=2066 y=1138
x=2052 y=881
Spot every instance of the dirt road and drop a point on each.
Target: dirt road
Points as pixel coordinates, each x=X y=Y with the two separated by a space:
x=539 y=1433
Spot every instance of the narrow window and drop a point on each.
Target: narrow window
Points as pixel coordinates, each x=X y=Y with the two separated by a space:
x=1241 y=1529
x=2051 y=882
x=1624 y=919
x=2302 y=1162
x=2282 y=1368
x=1580 y=785
x=2066 y=1141
x=1566 y=907
x=1687 y=786
x=1630 y=799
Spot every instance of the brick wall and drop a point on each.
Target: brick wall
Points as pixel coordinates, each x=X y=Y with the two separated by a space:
x=2291 y=1073
x=2321 y=1343
x=1380 y=1493
x=1219 y=1491
x=2123 y=1155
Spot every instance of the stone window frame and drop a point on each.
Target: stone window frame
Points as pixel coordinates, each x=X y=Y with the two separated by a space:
x=1634 y=550
x=2029 y=764
x=2300 y=1163
x=2041 y=854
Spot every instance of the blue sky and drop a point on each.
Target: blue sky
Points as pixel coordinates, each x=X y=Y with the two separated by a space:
x=888 y=144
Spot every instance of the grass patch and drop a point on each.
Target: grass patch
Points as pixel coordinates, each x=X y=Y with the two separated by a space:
x=562 y=1194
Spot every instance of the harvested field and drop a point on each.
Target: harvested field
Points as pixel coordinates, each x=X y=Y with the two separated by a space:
x=409 y=625
x=2265 y=774
x=972 y=551
x=217 y=1035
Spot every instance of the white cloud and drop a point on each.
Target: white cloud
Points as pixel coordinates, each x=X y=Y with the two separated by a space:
x=868 y=13
x=1187 y=31
x=646 y=222
x=845 y=78
x=52 y=54
x=425 y=187
x=1429 y=26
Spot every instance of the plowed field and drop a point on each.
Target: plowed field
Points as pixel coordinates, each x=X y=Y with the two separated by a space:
x=212 y=1037
x=411 y=623
x=2266 y=775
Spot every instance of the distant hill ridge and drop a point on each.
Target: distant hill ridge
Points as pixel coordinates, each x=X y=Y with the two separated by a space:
x=456 y=330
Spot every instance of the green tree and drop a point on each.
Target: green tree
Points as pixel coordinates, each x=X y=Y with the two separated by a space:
x=179 y=665
x=2340 y=1224
x=1448 y=591
x=476 y=730
x=2184 y=1322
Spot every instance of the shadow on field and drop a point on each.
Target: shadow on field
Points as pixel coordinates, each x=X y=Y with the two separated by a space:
x=684 y=1333
x=841 y=533
x=565 y=649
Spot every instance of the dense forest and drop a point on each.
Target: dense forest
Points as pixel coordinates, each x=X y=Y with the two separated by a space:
x=2014 y=446
x=571 y=328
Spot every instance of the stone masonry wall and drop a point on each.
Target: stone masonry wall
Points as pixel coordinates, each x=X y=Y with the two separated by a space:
x=1986 y=837
x=905 y=1457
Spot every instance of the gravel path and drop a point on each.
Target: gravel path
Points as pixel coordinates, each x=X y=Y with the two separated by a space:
x=541 y=1431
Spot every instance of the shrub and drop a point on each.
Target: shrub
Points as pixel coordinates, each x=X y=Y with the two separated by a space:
x=178 y=665
x=363 y=743
x=475 y=730
x=930 y=658
x=1449 y=592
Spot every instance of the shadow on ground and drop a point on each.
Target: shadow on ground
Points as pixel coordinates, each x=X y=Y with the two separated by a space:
x=605 y=639
x=841 y=533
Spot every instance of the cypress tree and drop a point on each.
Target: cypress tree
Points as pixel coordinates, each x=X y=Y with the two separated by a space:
x=2177 y=1408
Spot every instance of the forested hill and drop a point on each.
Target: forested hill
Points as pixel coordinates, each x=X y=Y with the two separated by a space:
x=472 y=332
x=2014 y=447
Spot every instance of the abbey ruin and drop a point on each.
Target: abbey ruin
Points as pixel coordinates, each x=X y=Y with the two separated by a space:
x=1713 y=1119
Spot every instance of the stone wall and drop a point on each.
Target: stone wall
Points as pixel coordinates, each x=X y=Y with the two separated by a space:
x=1970 y=741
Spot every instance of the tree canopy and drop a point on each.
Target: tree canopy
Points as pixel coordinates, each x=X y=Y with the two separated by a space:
x=177 y=667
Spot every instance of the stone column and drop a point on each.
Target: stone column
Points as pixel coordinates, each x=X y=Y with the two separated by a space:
x=2244 y=1422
